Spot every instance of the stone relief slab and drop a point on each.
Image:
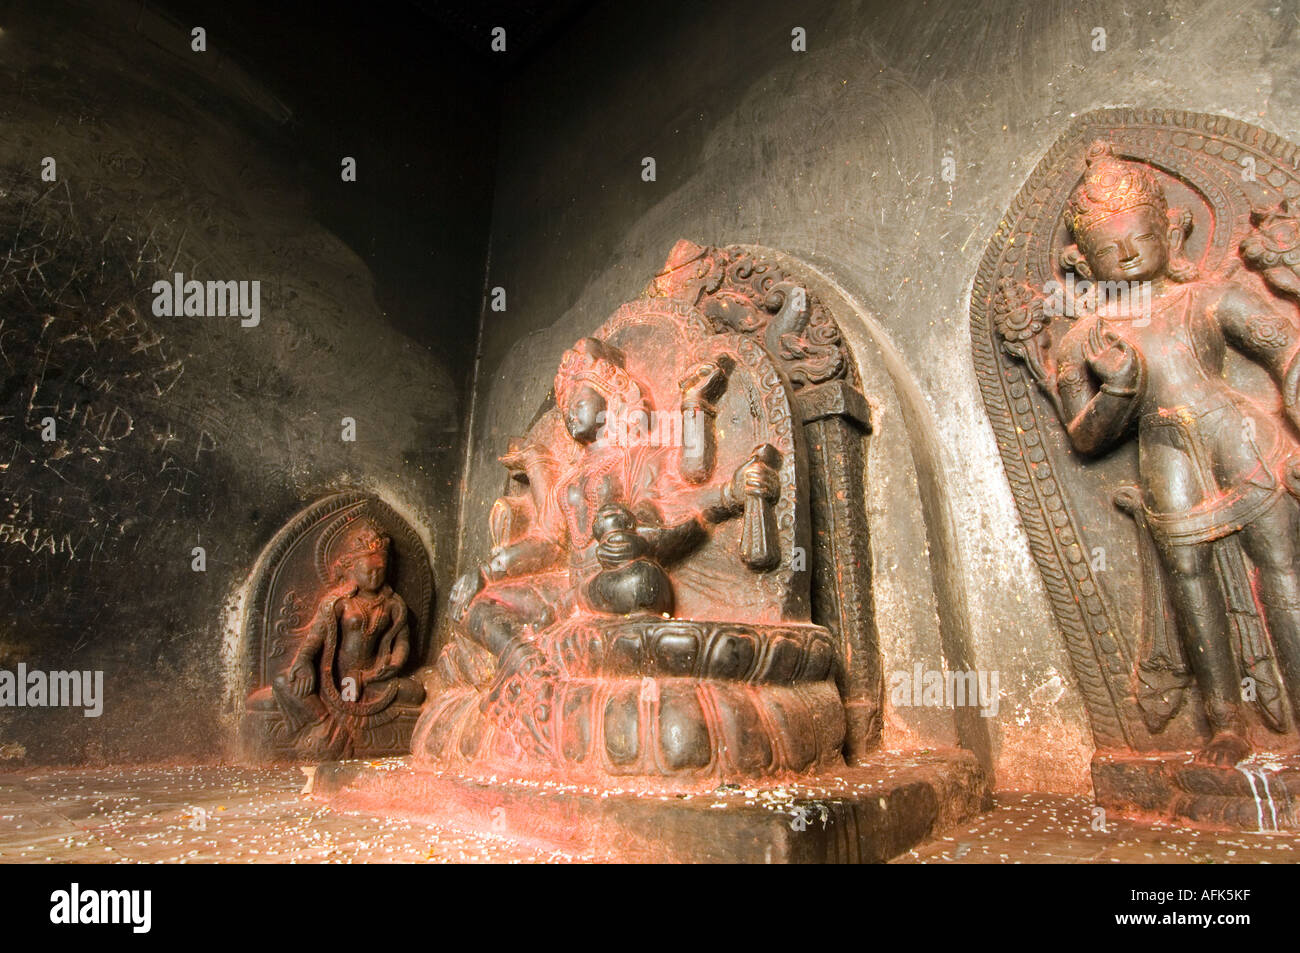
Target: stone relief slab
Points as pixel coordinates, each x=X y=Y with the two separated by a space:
x=338 y=622
x=1135 y=332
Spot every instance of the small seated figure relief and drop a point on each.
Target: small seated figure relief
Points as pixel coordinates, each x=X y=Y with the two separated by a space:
x=348 y=663
x=347 y=684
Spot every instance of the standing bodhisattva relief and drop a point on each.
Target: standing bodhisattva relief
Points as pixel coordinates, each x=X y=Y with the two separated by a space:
x=1135 y=328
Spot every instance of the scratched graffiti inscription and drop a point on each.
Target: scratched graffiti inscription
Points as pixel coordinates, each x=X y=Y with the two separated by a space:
x=104 y=435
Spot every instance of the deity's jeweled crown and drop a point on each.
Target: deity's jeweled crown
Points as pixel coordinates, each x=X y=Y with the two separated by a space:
x=1111 y=185
x=361 y=539
x=598 y=365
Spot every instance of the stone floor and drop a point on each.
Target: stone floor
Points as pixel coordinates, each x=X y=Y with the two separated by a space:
x=213 y=814
x=222 y=814
x=1058 y=829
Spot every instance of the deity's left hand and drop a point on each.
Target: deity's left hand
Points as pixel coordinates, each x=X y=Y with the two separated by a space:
x=704 y=383
x=756 y=478
x=465 y=589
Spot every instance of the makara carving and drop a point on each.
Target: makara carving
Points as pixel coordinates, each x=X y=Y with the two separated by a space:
x=340 y=605
x=648 y=604
x=1135 y=329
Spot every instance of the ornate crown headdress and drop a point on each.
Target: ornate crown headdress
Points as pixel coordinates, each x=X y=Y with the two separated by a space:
x=595 y=364
x=346 y=539
x=1111 y=185
x=361 y=540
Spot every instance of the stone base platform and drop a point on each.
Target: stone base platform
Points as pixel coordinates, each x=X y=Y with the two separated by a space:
x=260 y=742
x=1256 y=795
x=864 y=814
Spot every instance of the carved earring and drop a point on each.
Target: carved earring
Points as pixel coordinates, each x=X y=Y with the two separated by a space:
x=1179 y=222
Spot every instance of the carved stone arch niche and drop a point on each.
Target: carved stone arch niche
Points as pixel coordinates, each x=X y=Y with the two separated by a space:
x=916 y=605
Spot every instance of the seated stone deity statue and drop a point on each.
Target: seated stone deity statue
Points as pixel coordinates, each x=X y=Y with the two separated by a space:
x=615 y=533
x=346 y=668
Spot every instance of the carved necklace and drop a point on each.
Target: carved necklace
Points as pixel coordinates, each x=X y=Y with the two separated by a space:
x=372 y=610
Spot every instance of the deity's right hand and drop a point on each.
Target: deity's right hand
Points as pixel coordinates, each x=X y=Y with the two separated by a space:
x=302 y=678
x=757 y=476
x=466 y=588
x=1112 y=358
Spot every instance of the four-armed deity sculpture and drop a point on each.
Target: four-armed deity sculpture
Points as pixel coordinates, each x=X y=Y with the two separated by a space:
x=645 y=608
x=673 y=608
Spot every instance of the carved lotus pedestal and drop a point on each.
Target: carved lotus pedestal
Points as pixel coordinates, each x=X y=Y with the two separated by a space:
x=690 y=703
x=669 y=646
x=671 y=741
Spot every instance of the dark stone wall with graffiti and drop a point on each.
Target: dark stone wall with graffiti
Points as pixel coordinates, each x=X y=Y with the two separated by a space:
x=146 y=458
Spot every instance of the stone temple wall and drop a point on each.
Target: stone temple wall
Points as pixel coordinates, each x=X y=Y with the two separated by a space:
x=836 y=156
x=879 y=161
